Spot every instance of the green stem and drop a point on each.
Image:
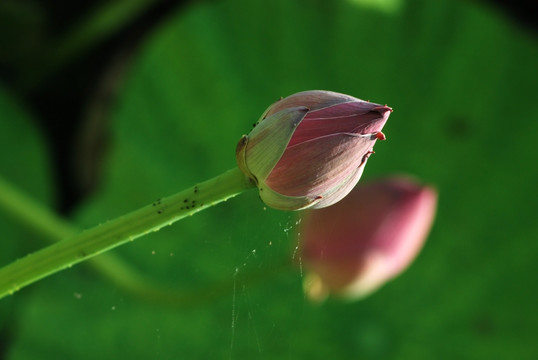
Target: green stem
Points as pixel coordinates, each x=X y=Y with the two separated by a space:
x=49 y=226
x=101 y=238
x=33 y=215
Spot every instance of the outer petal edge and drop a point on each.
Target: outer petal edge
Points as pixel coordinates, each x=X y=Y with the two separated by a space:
x=268 y=141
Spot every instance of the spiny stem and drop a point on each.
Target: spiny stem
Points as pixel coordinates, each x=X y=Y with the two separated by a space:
x=48 y=226
x=116 y=232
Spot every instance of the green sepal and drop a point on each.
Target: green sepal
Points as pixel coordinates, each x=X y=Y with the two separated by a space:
x=240 y=157
x=268 y=141
x=282 y=202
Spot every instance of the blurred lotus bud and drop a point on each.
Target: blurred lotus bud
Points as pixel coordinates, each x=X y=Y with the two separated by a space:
x=309 y=149
x=372 y=235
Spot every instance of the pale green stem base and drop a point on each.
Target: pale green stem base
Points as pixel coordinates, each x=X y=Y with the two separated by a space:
x=113 y=233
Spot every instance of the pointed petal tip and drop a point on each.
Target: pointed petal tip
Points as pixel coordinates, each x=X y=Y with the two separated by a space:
x=380 y=136
x=383 y=108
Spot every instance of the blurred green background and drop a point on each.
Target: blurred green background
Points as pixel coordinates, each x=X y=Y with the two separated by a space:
x=165 y=110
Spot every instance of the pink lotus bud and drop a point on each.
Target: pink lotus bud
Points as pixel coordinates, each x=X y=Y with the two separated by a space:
x=309 y=149
x=372 y=235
